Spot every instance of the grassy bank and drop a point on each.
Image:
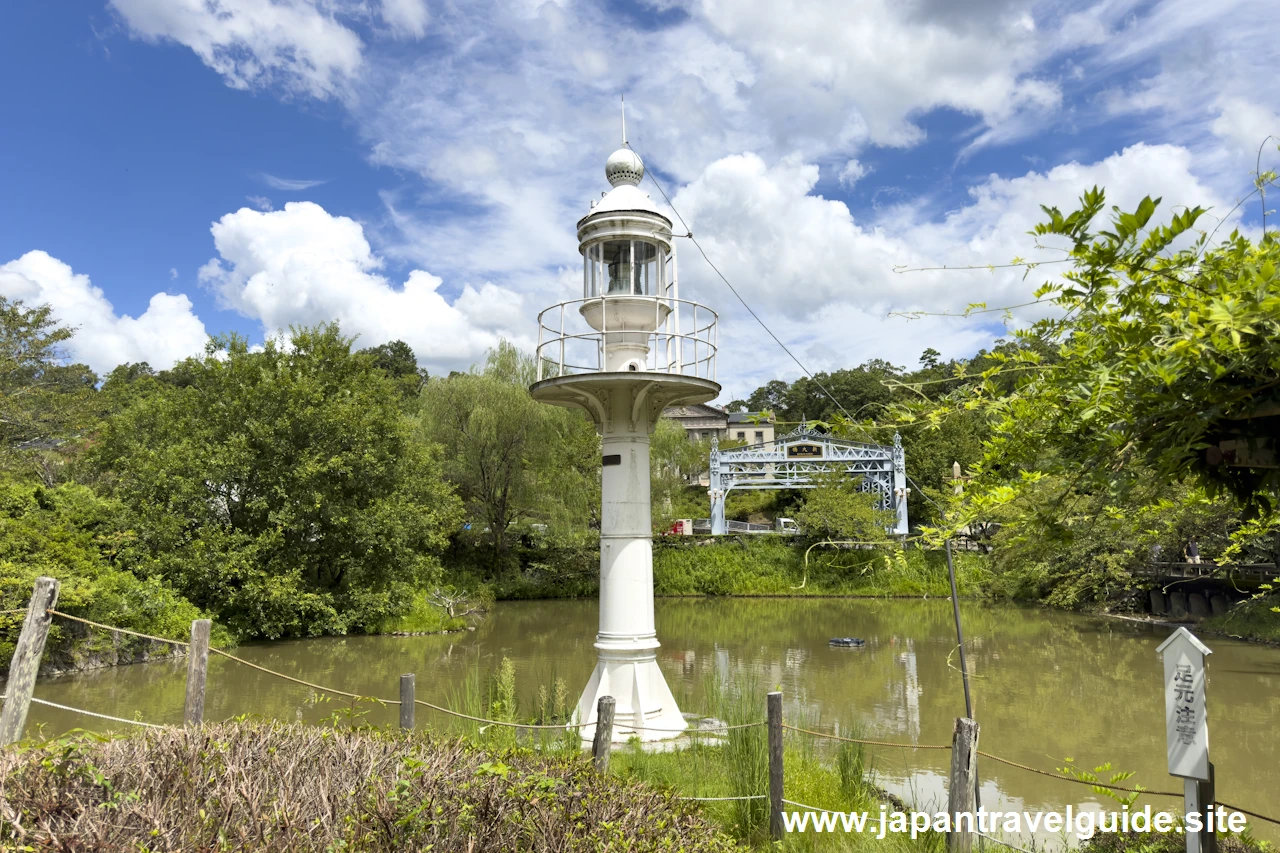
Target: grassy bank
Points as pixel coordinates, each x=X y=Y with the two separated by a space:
x=746 y=565
x=1258 y=619
x=770 y=566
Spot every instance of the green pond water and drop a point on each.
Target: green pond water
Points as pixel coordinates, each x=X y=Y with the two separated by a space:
x=1047 y=686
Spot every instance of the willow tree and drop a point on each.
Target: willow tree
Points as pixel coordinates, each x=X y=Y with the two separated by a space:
x=512 y=460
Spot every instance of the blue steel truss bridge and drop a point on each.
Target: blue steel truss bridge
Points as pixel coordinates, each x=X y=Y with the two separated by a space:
x=794 y=460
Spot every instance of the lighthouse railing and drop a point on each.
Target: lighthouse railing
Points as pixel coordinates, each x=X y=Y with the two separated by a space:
x=568 y=345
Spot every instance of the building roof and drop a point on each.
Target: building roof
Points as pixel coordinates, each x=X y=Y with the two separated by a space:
x=697 y=410
x=746 y=418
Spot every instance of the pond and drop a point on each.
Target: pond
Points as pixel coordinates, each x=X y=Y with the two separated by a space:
x=1047 y=686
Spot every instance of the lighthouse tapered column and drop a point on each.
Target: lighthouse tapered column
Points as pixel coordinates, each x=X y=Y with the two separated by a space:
x=627 y=668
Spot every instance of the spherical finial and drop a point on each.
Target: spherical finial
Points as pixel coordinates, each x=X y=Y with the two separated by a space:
x=624 y=167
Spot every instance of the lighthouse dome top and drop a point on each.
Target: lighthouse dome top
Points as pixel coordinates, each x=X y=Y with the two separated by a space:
x=624 y=167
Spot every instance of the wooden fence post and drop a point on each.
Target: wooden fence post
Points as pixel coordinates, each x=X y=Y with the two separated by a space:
x=407 y=700
x=961 y=791
x=26 y=660
x=197 y=672
x=603 y=742
x=775 y=765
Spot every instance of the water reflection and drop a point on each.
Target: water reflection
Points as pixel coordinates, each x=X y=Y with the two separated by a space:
x=1047 y=686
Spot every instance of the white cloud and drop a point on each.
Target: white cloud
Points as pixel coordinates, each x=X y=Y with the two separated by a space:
x=851 y=173
x=173 y=273
x=1243 y=125
x=290 y=184
x=166 y=332
x=406 y=17
x=260 y=201
x=826 y=282
x=302 y=265
x=819 y=61
x=507 y=122
x=298 y=44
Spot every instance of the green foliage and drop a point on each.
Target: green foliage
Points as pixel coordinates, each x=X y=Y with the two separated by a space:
x=1071 y=549
x=1254 y=619
x=70 y=534
x=44 y=402
x=513 y=460
x=768 y=565
x=1161 y=353
x=861 y=390
x=673 y=460
x=421 y=617
x=397 y=361
x=278 y=489
x=837 y=508
x=1113 y=777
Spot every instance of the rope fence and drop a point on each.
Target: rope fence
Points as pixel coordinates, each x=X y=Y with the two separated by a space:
x=867 y=742
x=576 y=726
x=725 y=799
x=113 y=628
x=39 y=701
x=1001 y=842
x=809 y=808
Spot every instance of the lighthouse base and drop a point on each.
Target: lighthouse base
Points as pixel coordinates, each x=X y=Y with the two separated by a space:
x=643 y=704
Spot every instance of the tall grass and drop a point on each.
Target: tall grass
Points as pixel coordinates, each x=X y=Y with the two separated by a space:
x=828 y=774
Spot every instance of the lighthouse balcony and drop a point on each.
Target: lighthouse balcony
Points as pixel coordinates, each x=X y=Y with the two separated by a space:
x=617 y=333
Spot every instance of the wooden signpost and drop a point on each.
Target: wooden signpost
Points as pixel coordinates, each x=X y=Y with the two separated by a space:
x=1187 y=728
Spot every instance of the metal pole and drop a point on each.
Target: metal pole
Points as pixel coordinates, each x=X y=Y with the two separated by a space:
x=955 y=610
x=775 y=765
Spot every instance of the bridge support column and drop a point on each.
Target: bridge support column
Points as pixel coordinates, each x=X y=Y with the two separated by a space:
x=901 y=528
x=1178 y=605
x=1159 y=607
x=716 y=491
x=1199 y=607
x=1218 y=604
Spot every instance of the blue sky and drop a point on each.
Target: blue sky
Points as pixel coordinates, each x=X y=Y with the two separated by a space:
x=414 y=169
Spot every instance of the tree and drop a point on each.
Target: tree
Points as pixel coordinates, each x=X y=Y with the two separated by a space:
x=770 y=397
x=396 y=360
x=673 y=459
x=279 y=489
x=511 y=458
x=44 y=401
x=1166 y=365
x=837 y=508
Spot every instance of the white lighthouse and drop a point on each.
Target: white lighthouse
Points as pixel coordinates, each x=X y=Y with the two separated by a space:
x=622 y=354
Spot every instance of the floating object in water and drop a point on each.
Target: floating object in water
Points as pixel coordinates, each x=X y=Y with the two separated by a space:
x=847 y=641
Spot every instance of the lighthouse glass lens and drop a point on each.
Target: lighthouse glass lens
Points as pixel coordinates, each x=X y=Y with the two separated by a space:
x=630 y=266
x=646 y=268
x=617 y=263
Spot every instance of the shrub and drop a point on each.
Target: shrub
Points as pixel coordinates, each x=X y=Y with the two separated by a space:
x=275 y=787
x=69 y=533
